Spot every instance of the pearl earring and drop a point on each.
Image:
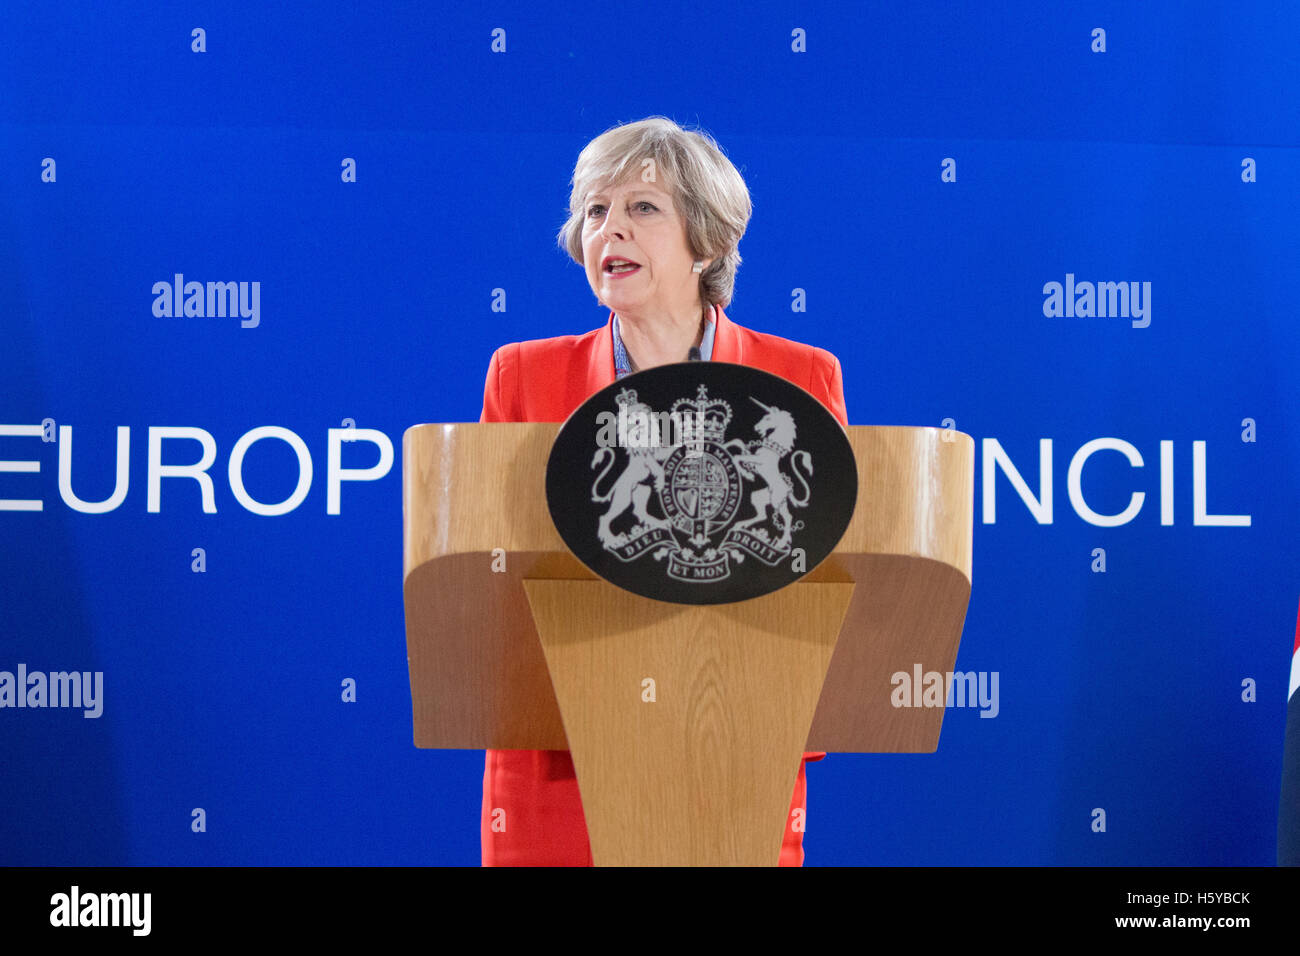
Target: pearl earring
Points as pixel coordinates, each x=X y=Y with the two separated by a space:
x=698 y=267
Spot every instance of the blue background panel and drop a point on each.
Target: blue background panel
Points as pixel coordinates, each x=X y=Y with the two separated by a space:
x=1120 y=690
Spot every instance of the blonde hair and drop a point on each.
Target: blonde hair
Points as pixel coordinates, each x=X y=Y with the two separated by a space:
x=706 y=188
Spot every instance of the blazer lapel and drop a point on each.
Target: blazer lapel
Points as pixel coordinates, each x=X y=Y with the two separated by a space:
x=600 y=362
x=727 y=346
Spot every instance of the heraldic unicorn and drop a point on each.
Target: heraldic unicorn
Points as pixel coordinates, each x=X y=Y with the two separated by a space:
x=698 y=500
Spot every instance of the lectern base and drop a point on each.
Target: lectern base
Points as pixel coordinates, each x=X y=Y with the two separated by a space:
x=670 y=776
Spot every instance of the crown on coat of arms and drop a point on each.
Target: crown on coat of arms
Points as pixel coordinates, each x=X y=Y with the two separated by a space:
x=712 y=414
x=629 y=405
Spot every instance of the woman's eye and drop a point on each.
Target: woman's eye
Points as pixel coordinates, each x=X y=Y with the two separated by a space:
x=595 y=211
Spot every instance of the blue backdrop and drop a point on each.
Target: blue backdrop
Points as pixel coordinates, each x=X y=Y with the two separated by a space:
x=921 y=174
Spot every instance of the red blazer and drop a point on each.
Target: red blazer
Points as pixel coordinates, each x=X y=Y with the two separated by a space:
x=532 y=811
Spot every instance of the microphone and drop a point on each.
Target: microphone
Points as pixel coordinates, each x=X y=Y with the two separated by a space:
x=694 y=354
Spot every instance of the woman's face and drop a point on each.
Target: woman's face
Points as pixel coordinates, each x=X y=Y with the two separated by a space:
x=638 y=223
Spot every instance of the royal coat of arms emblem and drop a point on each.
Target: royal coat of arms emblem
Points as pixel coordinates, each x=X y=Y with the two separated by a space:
x=699 y=478
x=706 y=496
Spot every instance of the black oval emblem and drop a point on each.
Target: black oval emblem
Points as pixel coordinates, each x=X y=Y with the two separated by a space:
x=701 y=483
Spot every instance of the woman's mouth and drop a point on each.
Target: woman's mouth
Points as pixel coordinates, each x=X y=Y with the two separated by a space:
x=620 y=267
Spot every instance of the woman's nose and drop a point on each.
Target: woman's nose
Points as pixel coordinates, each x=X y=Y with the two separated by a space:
x=615 y=225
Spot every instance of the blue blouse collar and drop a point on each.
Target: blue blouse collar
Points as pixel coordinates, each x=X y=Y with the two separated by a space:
x=624 y=367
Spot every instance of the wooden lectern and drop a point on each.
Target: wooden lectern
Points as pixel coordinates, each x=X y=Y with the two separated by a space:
x=686 y=723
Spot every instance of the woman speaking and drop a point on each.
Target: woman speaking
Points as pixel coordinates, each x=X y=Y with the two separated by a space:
x=655 y=217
